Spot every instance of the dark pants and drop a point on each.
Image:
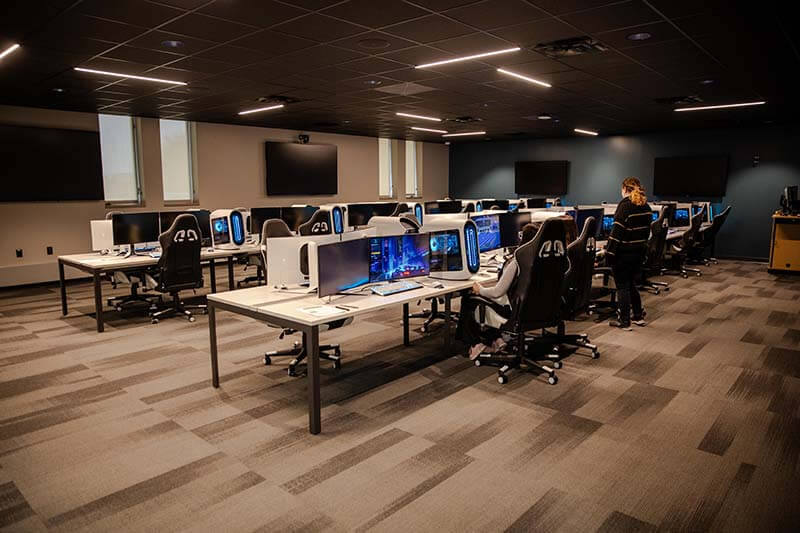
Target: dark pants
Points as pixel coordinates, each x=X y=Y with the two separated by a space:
x=626 y=271
x=469 y=330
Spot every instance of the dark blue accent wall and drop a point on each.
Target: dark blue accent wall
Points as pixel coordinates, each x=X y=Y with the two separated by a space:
x=599 y=164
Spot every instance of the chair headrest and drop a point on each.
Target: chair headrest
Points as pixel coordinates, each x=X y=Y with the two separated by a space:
x=410 y=222
x=401 y=208
x=184 y=230
x=276 y=227
x=318 y=224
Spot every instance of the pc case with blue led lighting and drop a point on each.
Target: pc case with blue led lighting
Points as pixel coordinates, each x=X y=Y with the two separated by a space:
x=454 y=252
x=338 y=217
x=228 y=230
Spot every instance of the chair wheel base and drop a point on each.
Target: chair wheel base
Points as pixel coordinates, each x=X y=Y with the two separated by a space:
x=552 y=380
x=557 y=364
x=267 y=360
x=502 y=379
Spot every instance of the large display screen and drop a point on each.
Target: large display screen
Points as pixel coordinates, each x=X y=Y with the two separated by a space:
x=342 y=266
x=301 y=169
x=398 y=257
x=488 y=232
x=445 y=251
x=48 y=164
x=691 y=176
x=541 y=177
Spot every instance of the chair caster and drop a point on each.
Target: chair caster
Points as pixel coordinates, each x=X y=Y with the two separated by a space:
x=337 y=365
x=552 y=380
x=685 y=276
x=118 y=308
x=292 y=372
x=502 y=379
x=557 y=364
x=191 y=319
x=699 y=274
x=154 y=321
x=477 y=362
x=424 y=329
x=267 y=360
x=595 y=354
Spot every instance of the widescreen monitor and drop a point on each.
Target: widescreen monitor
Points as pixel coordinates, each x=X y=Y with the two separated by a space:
x=680 y=218
x=608 y=224
x=134 y=228
x=445 y=251
x=488 y=232
x=583 y=214
x=398 y=257
x=511 y=225
x=342 y=266
x=301 y=169
x=541 y=177
x=259 y=215
x=296 y=216
x=443 y=207
x=690 y=176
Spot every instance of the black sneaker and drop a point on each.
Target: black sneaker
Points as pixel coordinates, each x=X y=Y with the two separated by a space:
x=640 y=321
x=622 y=325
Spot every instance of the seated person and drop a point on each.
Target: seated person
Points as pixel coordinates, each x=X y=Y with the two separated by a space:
x=469 y=330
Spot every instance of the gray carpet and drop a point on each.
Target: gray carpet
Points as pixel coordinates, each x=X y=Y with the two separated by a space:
x=688 y=424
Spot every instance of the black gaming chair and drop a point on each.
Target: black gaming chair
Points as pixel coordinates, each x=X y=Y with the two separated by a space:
x=401 y=208
x=318 y=224
x=706 y=240
x=179 y=266
x=677 y=254
x=276 y=228
x=535 y=299
x=656 y=249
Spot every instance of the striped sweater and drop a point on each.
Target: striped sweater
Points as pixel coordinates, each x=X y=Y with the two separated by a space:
x=631 y=230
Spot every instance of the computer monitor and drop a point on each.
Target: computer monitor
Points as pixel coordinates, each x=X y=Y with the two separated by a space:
x=445 y=251
x=488 y=232
x=259 y=215
x=134 y=228
x=342 y=266
x=295 y=216
x=680 y=218
x=166 y=218
x=535 y=203
x=399 y=257
x=654 y=216
x=513 y=207
x=606 y=226
x=584 y=213
x=443 y=207
x=219 y=231
x=492 y=203
x=511 y=225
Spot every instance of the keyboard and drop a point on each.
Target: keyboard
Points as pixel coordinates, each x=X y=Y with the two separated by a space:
x=388 y=289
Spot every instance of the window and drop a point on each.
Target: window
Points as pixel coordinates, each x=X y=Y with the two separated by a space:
x=119 y=156
x=176 y=160
x=385 y=182
x=412 y=182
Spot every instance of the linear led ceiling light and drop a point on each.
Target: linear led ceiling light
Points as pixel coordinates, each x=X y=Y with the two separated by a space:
x=464 y=134
x=130 y=76
x=526 y=78
x=409 y=115
x=585 y=132
x=467 y=58
x=702 y=108
x=260 y=109
x=428 y=129
x=8 y=50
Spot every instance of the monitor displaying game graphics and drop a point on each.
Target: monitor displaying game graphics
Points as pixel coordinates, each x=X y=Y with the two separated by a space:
x=608 y=224
x=445 y=251
x=488 y=232
x=655 y=215
x=680 y=217
x=398 y=257
x=219 y=231
x=342 y=266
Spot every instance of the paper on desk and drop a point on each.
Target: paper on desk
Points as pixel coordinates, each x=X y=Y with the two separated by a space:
x=322 y=311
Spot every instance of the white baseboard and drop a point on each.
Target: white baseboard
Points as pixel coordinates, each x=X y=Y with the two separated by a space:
x=13 y=275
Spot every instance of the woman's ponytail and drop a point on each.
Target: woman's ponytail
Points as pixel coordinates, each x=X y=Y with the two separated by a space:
x=634 y=187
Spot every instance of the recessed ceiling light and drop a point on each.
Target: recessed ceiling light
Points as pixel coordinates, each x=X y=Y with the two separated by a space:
x=423 y=117
x=130 y=76
x=170 y=43
x=467 y=58
x=447 y=143
x=8 y=50
x=585 y=132
x=724 y=106
x=428 y=129
x=544 y=116
x=464 y=134
x=58 y=90
x=706 y=82
x=526 y=78
x=640 y=36
x=260 y=109
x=373 y=83
x=373 y=44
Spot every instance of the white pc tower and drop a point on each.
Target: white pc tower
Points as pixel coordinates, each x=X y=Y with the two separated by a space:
x=399 y=225
x=228 y=230
x=102 y=235
x=339 y=219
x=454 y=252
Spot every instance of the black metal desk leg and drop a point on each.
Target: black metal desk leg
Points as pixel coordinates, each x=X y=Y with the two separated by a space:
x=212 y=336
x=212 y=272
x=447 y=319
x=406 y=340
x=63 y=283
x=311 y=342
x=230 y=273
x=98 y=301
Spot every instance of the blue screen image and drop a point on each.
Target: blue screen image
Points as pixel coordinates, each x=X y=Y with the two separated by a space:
x=608 y=223
x=512 y=207
x=445 y=251
x=682 y=216
x=219 y=227
x=403 y=256
x=488 y=232
x=655 y=216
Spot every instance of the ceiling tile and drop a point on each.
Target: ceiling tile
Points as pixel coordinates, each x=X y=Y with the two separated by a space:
x=268 y=41
x=429 y=29
x=659 y=31
x=373 y=43
x=375 y=13
x=188 y=45
x=318 y=28
x=136 y=12
x=208 y=28
x=235 y=55
x=533 y=33
x=261 y=13
x=372 y=65
x=496 y=13
x=613 y=17
x=560 y=7
x=473 y=43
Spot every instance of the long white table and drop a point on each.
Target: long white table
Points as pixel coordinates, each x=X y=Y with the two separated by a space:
x=97 y=265
x=284 y=308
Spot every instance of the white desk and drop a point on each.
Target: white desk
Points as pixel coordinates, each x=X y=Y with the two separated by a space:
x=283 y=308
x=97 y=264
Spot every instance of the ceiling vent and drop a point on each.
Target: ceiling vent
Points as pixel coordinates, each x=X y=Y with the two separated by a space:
x=574 y=46
x=466 y=119
x=405 y=89
x=680 y=100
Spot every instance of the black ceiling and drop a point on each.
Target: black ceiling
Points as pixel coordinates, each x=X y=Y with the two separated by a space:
x=320 y=55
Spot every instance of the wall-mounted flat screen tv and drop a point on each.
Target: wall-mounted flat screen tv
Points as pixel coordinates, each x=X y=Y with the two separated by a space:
x=541 y=177
x=301 y=169
x=692 y=176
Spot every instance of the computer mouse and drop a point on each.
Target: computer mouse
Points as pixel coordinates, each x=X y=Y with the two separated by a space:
x=437 y=285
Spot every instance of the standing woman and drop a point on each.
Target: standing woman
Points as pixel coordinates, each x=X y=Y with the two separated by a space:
x=626 y=250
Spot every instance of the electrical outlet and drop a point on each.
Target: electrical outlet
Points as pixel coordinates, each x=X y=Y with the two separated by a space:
x=49 y=250
x=19 y=252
